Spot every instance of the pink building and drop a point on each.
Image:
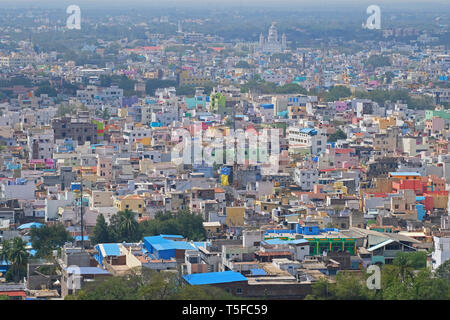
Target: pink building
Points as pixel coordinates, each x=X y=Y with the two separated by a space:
x=104 y=168
x=434 y=125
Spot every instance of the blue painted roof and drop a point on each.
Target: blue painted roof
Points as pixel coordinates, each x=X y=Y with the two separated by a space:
x=86 y=270
x=111 y=249
x=78 y=238
x=171 y=236
x=267 y=105
x=160 y=243
x=174 y=245
x=200 y=244
x=214 y=277
x=258 y=272
x=308 y=130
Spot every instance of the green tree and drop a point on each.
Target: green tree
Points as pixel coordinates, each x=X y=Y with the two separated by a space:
x=321 y=290
x=100 y=234
x=339 y=134
x=112 y=288
x=18 y=256
x=336 y=93
x=427 y=287
x=146 y=284
x=158 y=286
x=184 y=223
x=48 y=238
x=243 y=64
x=5 y=251
x=350 y=286
x=376 y=61
x=124 y=227
x=204 y=292
x=443 y=271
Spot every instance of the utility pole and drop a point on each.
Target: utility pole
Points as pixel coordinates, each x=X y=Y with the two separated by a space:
x=81 y=209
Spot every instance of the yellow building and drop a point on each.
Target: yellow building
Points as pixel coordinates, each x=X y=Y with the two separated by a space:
x=340 y=188
x=131 y=202
x=235 y=216
x=440 y=201
x=267 y=206
x=384 y=123
x=144 y=141
x=187 y=79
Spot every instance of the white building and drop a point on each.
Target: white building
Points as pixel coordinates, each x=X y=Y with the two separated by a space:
x=306 y=178
x=272 y=44
x=20 y=189
x=309 y=138
x=441 y=251
x=132 y=133
x=40 y=144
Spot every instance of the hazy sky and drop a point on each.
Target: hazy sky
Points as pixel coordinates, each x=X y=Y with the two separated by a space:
x=413 y=6
x=220 y=2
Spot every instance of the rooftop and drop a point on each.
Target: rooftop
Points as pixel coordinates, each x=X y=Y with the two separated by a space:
x=214 y=277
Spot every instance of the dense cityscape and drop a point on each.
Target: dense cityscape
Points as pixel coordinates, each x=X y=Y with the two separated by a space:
x=187 y=151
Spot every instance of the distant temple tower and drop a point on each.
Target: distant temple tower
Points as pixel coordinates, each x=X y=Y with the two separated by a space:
x=283 y=41
x=180 y=30
x=272 y=45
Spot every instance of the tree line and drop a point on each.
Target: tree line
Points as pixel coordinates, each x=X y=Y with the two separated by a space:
x=123 y=226
x=146 y=284
x=407 y=278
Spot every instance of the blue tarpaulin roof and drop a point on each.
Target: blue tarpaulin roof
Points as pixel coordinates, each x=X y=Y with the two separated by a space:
x=30 y=225
x=258 y=272
x=213 y=277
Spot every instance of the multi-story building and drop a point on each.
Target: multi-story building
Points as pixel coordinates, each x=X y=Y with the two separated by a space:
x=80 y=129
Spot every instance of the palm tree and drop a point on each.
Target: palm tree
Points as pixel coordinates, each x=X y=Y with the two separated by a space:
x=18 y=256
x=5 y=251
x=404 y=265
x=128 y=224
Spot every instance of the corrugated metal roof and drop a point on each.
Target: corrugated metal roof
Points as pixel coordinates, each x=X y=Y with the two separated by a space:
x=416 y=174
x=174 y=245
x=279 y=241
x=380 y=245
x=171 y=236
x=160 y=243
x=214 y=277
x=86 y=270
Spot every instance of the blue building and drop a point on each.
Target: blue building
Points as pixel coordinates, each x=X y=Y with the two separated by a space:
x=164 y=247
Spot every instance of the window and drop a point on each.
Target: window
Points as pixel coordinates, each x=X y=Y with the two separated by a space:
x=238 y=290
